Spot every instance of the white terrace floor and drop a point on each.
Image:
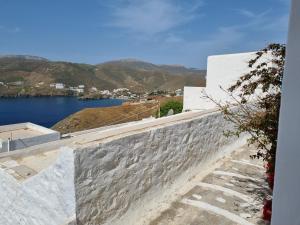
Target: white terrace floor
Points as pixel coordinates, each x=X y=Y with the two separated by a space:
x=231 y=194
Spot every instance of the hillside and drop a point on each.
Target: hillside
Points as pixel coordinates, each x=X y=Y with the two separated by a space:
x=31 y=75
x=98 y=117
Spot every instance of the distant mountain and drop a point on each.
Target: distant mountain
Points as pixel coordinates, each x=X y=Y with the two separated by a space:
x=133 y=74
x=28 y=57
x=141 y=65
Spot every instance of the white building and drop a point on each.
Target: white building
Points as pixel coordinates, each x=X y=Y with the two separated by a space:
x=93 y=89
x=105 y=92
x=222 y=72
x=193 y=98
x=59 y=86
x=79 y=90
x=118 y=90
x=81 y=86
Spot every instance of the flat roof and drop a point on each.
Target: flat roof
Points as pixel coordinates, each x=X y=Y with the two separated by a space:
x=19 y=133
x=23 y=131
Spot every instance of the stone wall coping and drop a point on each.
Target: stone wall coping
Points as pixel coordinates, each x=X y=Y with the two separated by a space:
x=107 y=134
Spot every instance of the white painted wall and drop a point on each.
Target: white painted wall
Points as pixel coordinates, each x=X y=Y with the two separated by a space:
x=222 y=71
x=286 y=203
x=122 y=179
x=193 y=98
x=47 y=198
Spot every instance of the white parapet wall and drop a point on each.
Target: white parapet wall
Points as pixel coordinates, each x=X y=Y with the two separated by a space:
x=116 y=176
x=126 y=176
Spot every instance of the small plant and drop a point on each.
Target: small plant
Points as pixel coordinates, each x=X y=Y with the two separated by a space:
x=176 y=106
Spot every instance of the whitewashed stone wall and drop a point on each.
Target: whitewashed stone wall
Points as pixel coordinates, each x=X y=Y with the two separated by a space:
x=47 y=198
x=126 y=175
x=119 y=180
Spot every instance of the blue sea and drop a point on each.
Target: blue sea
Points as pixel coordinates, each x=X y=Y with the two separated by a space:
x=46 y=111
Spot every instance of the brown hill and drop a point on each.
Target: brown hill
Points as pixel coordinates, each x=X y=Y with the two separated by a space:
x=98 y=117
x=35 y=75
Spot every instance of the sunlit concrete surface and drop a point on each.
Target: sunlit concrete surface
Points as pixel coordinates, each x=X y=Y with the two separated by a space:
x=231 y=194
x=22 y=168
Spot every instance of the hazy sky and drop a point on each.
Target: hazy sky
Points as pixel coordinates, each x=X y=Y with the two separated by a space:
x=160 y=31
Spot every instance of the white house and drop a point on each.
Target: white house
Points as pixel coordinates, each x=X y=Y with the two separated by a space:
x=79 y=90
x=105 y=92
x=93 y=89
x=178 y=92
x=59 y=86
x=120 y=90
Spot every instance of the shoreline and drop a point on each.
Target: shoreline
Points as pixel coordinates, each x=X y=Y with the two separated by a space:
x=46 y=110
x=81 y=98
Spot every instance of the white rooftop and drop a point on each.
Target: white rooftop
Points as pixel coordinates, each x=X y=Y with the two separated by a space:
x=19 y=133
x=22 y=135
x=22 y=130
